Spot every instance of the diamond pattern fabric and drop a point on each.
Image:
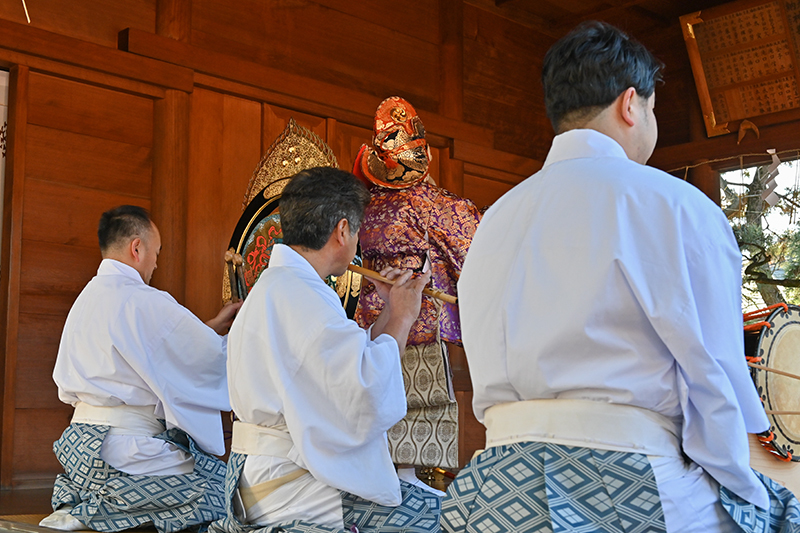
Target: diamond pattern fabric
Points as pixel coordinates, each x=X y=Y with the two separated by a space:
x=544 y=488
x=536 y=487
x=105 y=499
x=418 y=513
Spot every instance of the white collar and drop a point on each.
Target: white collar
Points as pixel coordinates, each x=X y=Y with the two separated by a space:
x=112 y=267
x=283 y=255
x=583 y=143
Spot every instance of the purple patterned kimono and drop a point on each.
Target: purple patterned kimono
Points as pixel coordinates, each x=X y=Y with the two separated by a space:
x=401 y=228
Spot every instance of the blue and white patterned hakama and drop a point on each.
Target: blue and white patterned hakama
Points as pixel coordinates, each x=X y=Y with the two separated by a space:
x=106 y=499
x=783 y=515
x=537 y=487
x=418 y=513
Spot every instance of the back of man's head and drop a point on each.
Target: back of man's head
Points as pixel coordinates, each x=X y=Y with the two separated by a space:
x=585 y=71
x=314 y=202
x=121 y=225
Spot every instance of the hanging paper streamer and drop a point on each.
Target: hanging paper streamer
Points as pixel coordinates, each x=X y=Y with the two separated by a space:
x=769 y=195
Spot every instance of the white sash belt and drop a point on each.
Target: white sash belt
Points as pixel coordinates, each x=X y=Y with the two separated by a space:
x=124 y=419
x=584 y=423
x=252 y=439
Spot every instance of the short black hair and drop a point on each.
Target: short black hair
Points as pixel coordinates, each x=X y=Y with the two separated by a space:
x=315 y=200
x=586 y=70
x=122 y=224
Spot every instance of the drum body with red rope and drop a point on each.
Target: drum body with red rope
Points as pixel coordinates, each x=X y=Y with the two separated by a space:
x=774 y=343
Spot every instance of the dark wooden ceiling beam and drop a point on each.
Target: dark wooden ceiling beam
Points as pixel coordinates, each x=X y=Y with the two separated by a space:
x=520 y=16
x=620 y=7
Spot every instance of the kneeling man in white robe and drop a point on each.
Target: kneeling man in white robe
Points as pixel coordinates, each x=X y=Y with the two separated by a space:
x=315 y=394
x=147 y=380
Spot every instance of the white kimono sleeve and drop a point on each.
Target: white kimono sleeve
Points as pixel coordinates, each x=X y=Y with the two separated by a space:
x=185 y=369
x=698 y=317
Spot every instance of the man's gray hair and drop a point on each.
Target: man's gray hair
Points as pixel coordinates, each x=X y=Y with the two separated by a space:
x=315 y=200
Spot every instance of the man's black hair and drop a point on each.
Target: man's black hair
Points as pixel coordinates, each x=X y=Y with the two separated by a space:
x=585 y=71
x=315 y=200
x=122 y=224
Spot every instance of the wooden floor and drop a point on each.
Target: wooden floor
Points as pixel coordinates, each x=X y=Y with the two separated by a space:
x=25 y=502
x=22 y=509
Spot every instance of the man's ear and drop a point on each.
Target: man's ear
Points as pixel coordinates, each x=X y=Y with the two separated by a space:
x=341 y=228
x=626 y=103
x=134 y=248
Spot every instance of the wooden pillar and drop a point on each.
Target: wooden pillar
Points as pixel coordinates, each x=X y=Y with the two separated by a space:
x=11 y=259
x=451 y=58
x=174 y=19
x=703 y=177
x=706 y=179
x=170 y=189
x=451 y=85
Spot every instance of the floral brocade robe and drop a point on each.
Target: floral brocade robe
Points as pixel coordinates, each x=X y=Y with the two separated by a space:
x=400 y=227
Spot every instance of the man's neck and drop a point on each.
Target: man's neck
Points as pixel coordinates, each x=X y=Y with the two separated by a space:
x=316 y=258
x=121 y=258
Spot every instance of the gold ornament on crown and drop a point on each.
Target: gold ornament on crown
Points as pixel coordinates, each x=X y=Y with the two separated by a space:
x=296 y=149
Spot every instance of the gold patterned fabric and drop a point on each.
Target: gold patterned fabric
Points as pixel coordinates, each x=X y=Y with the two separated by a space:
x=427 y=437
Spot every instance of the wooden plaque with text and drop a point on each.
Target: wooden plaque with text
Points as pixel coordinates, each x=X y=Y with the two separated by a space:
x=744 y=58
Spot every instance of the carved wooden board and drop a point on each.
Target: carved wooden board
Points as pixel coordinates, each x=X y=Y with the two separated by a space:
x=744 y=58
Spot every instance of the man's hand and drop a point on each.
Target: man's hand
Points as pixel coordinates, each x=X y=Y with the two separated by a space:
x=403 y=301
x=222 y=322
x=405 y=296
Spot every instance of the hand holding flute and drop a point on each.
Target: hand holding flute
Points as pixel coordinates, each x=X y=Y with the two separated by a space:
x=367 y=273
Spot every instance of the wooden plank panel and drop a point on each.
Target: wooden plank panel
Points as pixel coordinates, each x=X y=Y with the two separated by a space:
x=174 y=19
x=471 y=433
x=68 y=214
x=53 y=275
x=225 y=148
x=451 y=58
x=88 y=110
x=303 y=90
x=170 y=188
x=433 y=168
x=493 y=174
x=96 y=21
x=496 y=159
x=9 y=58
x=345 y=141
x=33 y=441
x=12 y=257
x=71 y=158
x=482 y=191
x=39 y=337
x=285 y=101
x=451 y=173
x=34 y=41
x=420 y=18
x=502 y=90
x=313 y=40
x=276 y=118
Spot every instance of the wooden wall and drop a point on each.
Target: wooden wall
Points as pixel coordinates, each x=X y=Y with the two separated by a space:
x=170 y=104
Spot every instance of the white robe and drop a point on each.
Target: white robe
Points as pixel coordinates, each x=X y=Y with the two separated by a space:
x=602 y=279
x=297 y=363
x=125 y=342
